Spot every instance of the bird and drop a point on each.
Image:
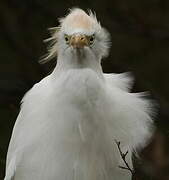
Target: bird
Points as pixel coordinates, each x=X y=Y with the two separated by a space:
x=74 y=123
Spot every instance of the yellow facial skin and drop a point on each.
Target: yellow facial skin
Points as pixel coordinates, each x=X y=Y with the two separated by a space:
x=79 y=40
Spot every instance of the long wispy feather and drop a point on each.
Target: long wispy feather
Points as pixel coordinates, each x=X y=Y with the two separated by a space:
x=52 y=47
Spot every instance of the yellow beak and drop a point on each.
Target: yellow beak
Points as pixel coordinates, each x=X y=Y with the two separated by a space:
x=79 y=41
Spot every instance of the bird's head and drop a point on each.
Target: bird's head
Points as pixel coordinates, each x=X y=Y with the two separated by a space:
x=79 y=39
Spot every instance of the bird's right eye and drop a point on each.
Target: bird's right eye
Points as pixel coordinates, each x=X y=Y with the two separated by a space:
x=66 y=38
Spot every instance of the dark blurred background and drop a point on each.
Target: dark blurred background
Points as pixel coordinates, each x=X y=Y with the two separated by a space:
x=140 y=43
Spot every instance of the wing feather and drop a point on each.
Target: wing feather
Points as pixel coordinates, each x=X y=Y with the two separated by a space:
x=124 y=81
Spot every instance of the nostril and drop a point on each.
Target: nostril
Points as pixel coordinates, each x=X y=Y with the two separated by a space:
x=82 y=38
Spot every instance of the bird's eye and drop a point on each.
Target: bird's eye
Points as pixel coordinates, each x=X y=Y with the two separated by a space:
x=66 y=39
x=91 y=39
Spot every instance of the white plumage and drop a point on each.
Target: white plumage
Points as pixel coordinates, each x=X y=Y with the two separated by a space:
x=69 y=120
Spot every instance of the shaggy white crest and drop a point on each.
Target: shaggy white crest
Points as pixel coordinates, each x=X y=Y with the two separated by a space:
x=77 y=21
x=69 y=121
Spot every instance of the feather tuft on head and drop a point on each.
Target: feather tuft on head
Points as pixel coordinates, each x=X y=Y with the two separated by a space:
x=77 y=21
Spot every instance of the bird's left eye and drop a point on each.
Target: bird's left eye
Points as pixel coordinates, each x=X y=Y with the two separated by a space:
x=91 y=39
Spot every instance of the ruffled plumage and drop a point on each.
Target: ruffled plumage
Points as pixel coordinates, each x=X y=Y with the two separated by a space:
x=69 y=121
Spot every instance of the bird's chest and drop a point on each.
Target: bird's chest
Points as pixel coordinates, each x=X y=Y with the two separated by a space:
x=77 y=103
x=80 y=87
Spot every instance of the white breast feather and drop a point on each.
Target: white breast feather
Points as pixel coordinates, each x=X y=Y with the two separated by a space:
x=67 y=126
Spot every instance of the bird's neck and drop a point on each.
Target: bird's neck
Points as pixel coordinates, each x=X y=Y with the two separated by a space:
x=73 y=62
